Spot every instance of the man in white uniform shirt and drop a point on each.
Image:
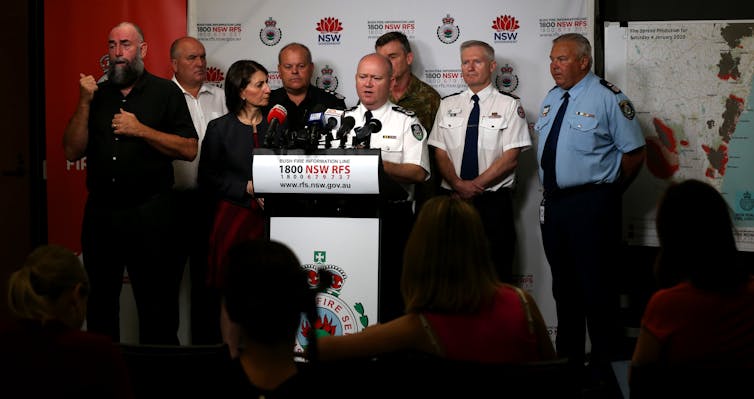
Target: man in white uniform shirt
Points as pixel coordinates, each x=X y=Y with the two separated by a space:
x=205 y=102
x=405 y=160
x=478 y=135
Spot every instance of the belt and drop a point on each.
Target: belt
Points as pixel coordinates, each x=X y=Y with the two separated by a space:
x=584 y=188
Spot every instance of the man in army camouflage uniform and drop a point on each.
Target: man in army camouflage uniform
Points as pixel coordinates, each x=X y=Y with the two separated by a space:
x=411 y=93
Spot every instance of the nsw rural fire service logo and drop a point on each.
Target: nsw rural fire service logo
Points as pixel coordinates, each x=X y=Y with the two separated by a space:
x=327 y=81
x=334 y=315
x=506 y=81
x=270 y=35
x=447 y=32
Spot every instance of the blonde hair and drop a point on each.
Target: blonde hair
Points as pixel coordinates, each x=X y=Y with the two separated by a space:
x=36 y=290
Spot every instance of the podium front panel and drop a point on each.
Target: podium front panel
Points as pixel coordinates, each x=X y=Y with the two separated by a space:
x=349 y=249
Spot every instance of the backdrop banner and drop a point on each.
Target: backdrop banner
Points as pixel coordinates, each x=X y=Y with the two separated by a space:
x=339 y=32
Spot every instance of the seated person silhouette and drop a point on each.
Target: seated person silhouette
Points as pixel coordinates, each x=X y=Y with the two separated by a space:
x=456 y=307
x=697 y=331
x=266 y=292
x=43 y=352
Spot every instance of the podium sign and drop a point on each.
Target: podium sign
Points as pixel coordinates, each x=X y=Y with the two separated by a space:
x=340 y=172
x=347 y=248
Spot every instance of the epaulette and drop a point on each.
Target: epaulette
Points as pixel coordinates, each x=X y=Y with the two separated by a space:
x=553 y=88
x=335 y=93
x=404 y=110
x=510 y=95
x=610 y=86
x=451 y=95
x=352 y=108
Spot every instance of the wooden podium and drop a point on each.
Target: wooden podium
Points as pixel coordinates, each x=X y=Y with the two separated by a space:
x=324 y=206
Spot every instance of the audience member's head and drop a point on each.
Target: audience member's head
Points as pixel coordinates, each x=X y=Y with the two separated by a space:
x=697 y=241
x=51 y=285
x=266 y=292
x=246 y=84
x=447 y=266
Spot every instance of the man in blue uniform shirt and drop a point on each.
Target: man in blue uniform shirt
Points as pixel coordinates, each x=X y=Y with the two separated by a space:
x=590 y=149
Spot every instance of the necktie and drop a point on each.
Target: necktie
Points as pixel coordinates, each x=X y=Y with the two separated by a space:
x=548 y=153
x=368 y=139
x=367 y=117
x=469 y=162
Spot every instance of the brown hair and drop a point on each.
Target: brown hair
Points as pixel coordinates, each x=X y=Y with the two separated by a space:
x=447 y=266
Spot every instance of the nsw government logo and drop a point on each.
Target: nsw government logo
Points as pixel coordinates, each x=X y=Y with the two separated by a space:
x=335 y=316
x=329 y=31
x=327 y=81
x=270 y=35
x=215 y=76
x=505 y=27
x=447 y=32
x=506 y=81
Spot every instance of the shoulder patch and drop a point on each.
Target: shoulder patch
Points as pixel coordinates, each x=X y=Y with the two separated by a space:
x=404 y=110
x=451 y=95
x=610 y=86
x=417 y=131
x=628 y=109
x=509 y=95
x=520 y=112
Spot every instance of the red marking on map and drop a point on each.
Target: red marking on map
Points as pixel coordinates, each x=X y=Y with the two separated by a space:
x=718 y=159
x=662 y=151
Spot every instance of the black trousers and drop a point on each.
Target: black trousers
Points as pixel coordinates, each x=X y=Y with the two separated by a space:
x=142 y=239
x=396 y=222
x=496 y=211
x=193 y=246
x=582 y=239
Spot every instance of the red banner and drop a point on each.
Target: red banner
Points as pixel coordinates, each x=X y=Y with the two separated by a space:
x=76 y=42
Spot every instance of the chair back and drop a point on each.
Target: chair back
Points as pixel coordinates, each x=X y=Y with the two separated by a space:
x=175 y=371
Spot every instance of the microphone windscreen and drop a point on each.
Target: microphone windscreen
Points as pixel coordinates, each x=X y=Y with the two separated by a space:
x=277 y=112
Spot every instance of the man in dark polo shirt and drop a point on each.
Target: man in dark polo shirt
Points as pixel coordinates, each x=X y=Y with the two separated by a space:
x=298 y=96
x=130 y=128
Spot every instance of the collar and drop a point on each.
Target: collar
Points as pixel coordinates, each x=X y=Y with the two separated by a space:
x=579 y=87
x=203 y=89
x=483 y=94
x=376 y=113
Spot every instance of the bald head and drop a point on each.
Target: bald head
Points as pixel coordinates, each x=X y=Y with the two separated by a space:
x=374 y=78
x=189 y=60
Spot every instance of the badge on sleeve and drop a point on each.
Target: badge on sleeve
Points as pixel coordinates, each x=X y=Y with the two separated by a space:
x=628 y=109
x=417 y=131
x=521 y=113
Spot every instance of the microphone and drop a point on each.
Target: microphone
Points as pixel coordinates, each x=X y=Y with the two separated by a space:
x=374 y=126
x=346 y=125
x=331 y=119
x=275 y=118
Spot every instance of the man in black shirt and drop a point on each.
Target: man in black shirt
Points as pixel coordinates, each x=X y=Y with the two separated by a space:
x=130 y=128
x=298 y=95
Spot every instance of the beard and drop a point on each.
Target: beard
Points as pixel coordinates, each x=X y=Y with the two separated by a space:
x=123 y=73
